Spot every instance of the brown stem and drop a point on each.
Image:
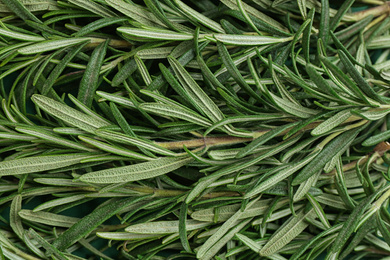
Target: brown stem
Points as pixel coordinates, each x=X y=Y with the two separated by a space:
x=206 y=141
x=173 y=193
x=380 y=149
x=375 y=11
x=231 y=140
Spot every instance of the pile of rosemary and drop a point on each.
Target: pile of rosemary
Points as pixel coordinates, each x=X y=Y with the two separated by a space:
x=168 y=129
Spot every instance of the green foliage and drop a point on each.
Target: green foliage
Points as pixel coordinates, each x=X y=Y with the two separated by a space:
x=203 y=129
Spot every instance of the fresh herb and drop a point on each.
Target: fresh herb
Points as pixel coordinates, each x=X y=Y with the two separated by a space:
x=194 y=129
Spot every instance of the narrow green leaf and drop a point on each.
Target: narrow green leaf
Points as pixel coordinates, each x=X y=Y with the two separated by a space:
x=114 y=149
x=183 y=227
x=48 y=218
x=372 y=114
x=40 y=163
x=287 y=232
x=201 y=100
x=94 y=7
x=345 y=82
x=175 y=111
x=20 y=36
x=98 y=24
x=88 y=223
x=292 y=108
x=164 y=227
x=306 y=35
x=239 y=119
x=89 y=82
x=52 y=137
x=67 y=114
x=221 y=232
x=135 y=12
x=340 y=13
x=247 y=40
x=263 y=139
x=232 y=69
x=135 y=172
x=280 y=175
x=319 y=210
x=383 y=227
x=128 y=68
x=331 y=122
x=56 y=72
x=214 y=249
x=198 y=17
x=324 y=22
x=351 y=223
x=302 y=8
x=50 y=45
x=20 y=10
x=249 y=242
x=14 y=218
x=337 y=146
x=58 y=202
x=50 y=249
x=362 y=83
x=376 y=139
x=125 y=236
x=125 y=139
x=156 y=34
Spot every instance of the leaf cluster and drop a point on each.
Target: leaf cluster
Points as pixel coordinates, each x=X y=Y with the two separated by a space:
x=194 y=129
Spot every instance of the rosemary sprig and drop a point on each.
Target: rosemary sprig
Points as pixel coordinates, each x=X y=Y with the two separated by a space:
x=194 y=129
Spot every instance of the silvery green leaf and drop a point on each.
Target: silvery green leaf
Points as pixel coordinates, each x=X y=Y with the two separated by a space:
x=67 y=114
x=164 y=227
x=372 y=114
x=48 y=218
x=222 y=231
x=114 y=149
x=93 y=7
x=155 y=53
x=135 y=172
x=175 y=111
x=201 y=100
x=59 y=201
x=41 y=163
x=287 y=232
x=125 y=236
x=302 y=8
x=126 y=139
x=52 y=137
x=89 y=222
x=135 y=12
x=247 y=40
x=156 y=34
x=90 y=80
x=249 y=242
x=200 y=18
x=232 y=4
x=331 y=122
x=213 y=250
x=336 y=146
x=280 y=175
x=50 y=45
x=20 y=36
x=225 y=212
x=15 y=220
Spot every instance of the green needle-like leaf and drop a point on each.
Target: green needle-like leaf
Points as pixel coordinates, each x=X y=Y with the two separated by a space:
x=89 y=82
x=140 y=171
x=337 y=146
x=41 y=163
x=88 y=223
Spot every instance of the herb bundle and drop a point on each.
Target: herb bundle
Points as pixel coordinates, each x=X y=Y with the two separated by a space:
x=194 y=129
